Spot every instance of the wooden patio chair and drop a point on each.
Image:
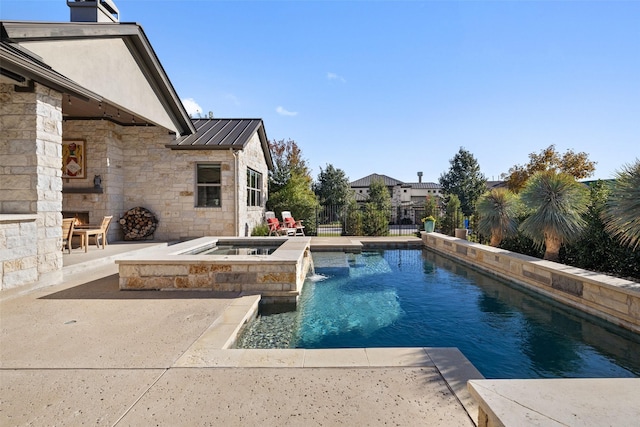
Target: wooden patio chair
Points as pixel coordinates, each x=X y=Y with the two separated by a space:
x=275 y=228
x=67 y=232
x=290 y=222
x=99 y=233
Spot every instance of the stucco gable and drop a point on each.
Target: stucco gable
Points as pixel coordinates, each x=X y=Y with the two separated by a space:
x=114 y=61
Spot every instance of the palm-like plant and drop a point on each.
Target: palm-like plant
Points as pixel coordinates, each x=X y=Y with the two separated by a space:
x=558 y=203
x=622 y=210
x=498 y=210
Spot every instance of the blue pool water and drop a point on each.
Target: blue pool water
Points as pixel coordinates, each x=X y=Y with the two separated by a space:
x=415 y=298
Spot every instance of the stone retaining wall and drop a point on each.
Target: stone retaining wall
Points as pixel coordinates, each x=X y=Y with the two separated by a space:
x=610 y=298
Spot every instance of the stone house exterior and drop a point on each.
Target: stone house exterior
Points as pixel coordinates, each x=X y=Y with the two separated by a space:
x=407 y=198
x=99 y=87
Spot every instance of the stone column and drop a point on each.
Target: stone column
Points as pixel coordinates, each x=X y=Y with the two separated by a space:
x=30 y=177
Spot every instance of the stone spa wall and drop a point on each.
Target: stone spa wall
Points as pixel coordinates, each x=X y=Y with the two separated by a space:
x=278 y=277
x=612 y=299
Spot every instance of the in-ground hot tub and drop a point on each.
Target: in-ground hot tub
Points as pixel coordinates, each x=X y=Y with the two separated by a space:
x=198 y=264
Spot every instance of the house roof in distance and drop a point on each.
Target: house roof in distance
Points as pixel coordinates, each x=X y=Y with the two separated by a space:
x=223 y=134
x=425 y=185
x=390 y=182
x=366 y=181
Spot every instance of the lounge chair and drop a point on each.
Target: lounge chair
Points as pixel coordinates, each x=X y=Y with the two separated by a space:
x=275 y=228
x=290 y=222
x=99 y=233
x=67 y=232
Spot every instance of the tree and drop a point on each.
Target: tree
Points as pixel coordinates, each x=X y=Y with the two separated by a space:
x=290 y=183
x=297 y=197
x=465 y=180
x=332 y=187
x=287 y=160
x=498 y=210
x=431 y=207
x=375 y=222
x=353 y=222
x=452 y=215
x=379 y=195
x=558 y=203
x=377 y=210
x=575 y=164
x=622 y=211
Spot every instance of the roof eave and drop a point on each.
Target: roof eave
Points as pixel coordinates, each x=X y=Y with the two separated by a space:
x=131 y=33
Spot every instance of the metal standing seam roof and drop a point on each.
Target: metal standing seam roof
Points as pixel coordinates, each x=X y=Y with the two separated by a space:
x=425 y=185
x=366 y=181
x=390 y=182
x=218 y=134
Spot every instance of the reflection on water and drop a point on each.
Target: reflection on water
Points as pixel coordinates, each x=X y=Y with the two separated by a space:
x=413 y=298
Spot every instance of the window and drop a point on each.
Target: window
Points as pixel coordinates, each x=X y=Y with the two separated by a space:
x=208 y=182
x=254 y=188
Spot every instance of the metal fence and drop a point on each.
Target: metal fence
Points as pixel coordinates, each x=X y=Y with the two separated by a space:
x=363 y=220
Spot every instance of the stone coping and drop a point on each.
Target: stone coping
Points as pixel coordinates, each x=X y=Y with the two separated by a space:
x=18 y=217
x=291 y=251
x=558 y=402
x=610 y=298
x=617 y=283
x=214 y=349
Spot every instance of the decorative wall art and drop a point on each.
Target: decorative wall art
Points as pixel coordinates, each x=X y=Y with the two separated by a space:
x=74 y=158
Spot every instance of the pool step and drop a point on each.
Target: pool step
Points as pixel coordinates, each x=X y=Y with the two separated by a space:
x=331 y=263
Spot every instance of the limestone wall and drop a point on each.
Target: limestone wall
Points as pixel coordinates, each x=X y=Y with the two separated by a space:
x=251 y=157
x=30 y=180
x=18 y=250
x=104 y=157
x=278 y=277
x=163 y=181
x=612 y=299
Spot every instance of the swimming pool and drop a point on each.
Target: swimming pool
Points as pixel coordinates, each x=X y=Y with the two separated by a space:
x=416 y=298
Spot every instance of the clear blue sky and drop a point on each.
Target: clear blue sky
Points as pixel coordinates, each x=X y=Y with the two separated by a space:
x=397 y=87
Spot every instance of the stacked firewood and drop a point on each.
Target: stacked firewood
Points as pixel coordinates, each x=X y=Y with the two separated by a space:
x=138 y=223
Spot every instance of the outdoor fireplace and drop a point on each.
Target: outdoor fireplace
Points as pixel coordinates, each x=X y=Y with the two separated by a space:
x=82 y=217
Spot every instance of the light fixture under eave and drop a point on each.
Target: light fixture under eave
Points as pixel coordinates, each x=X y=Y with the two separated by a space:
x=118 y=112
x=69 y=99
x=133 y=120
x=100 y=105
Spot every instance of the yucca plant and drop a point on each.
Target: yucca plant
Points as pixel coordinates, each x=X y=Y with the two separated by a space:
x=622 y=210
x=498 y=210
x=558 y=203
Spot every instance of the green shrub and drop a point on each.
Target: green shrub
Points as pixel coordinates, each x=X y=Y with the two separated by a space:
x=260 y=230
x=375 y=222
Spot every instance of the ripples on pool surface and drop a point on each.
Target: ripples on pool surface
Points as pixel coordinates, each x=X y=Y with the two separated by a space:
x=414 y=298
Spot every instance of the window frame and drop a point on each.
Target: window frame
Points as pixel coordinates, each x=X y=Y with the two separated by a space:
x=199 y=185
x=254 y=193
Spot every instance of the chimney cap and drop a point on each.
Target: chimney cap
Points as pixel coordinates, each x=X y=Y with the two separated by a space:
x=93 y=11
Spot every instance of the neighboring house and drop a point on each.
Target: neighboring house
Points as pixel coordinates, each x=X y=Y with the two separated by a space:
x=496 y=184
x=407 y=199
x=92 y=126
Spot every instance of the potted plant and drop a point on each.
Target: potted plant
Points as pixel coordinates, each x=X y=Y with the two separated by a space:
x=429 y=223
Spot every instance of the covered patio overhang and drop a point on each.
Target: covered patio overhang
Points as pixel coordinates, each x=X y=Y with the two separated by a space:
x=103 y=71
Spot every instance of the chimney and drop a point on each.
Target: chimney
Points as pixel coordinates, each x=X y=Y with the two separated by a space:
x=93 y=11
x=419 y=177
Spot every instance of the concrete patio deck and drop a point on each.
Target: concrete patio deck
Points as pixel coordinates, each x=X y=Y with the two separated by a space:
x=83 y=352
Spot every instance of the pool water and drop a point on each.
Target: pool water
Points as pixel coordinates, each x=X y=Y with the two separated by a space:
x=239 y=250
x=416 y=298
